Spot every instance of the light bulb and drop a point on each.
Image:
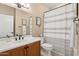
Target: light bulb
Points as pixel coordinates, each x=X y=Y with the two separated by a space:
x=28 y=5
x=22 y=4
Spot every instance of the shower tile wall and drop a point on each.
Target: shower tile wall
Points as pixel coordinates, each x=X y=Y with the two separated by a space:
x=58 y=28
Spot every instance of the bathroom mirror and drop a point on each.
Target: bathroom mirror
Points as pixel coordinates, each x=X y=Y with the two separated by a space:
x=24 y=23
x=6 y=25
x=38 y=21
x=31 y=25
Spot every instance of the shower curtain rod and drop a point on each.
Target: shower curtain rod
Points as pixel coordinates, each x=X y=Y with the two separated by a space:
x=57 y=7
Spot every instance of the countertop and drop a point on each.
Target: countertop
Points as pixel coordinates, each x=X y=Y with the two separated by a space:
x=5 y=46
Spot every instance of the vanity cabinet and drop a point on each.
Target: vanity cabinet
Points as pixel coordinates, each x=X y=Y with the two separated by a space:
x=32 y=49
x=17 y=51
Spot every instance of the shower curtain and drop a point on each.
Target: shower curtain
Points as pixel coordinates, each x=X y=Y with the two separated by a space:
x=59 y=28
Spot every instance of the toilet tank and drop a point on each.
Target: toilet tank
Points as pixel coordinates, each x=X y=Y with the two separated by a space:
x=42 y=40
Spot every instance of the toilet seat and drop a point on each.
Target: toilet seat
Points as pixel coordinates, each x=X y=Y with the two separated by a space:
x=46 y=46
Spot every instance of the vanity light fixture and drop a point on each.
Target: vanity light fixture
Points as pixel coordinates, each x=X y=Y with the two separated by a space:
x=28 y=6
x=23 y=5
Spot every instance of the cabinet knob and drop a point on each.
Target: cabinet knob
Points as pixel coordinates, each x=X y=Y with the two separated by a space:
x=26 y=47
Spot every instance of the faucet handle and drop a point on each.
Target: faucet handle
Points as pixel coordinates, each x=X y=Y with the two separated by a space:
x=7 y=36
x=16 y=34
x=22 y=37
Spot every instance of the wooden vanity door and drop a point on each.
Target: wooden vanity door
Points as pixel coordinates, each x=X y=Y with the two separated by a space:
x=17 y=51
x=33 y=49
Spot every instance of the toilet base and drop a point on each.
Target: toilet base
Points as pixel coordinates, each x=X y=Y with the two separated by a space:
x=45 y=52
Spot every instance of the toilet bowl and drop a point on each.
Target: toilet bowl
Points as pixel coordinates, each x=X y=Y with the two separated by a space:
x=47 y=47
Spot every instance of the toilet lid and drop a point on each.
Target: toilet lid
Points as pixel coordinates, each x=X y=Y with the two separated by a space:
x=46 y=45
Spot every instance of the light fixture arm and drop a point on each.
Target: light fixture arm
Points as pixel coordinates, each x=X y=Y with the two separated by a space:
x=21 y=6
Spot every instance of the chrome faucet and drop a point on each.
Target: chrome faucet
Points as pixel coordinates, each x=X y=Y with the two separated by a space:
x=19 y=37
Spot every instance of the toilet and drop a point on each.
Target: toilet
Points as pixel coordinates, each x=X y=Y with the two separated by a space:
x=47 y=47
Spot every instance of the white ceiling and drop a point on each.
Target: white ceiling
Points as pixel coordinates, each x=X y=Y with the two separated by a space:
x=47 y=5
x=50 y=5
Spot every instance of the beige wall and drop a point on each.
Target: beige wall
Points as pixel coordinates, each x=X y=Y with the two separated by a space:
x=6 y=10
x=76 y=40
x=38 y=11
x=78 y=34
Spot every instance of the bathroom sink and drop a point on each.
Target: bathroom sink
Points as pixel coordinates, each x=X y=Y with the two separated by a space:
x=12 y=43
